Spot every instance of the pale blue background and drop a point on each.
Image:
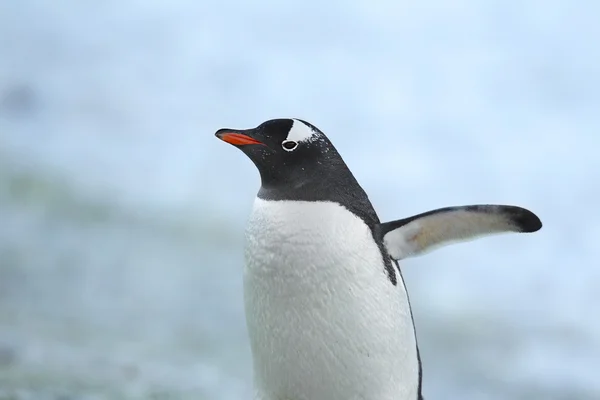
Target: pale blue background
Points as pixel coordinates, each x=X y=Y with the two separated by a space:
x=121 y=216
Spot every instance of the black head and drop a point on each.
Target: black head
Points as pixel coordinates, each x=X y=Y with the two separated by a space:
x=287 y=152
x=297 y=161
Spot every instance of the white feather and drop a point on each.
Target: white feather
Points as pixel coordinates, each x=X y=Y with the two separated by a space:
x=324 y=321
x=300 y=132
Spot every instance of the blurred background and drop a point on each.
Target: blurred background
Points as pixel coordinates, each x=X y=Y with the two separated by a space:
x=122 y=216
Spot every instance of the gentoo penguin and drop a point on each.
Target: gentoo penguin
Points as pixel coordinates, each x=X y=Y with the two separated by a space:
x=327 y=310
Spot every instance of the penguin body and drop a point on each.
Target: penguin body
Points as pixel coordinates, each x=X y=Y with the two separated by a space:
x=321 y=309
x=328 y=314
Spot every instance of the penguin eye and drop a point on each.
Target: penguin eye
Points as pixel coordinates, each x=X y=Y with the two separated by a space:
x=289 y=145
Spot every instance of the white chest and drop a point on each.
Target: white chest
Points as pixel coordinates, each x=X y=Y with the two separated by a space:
x=325 y=323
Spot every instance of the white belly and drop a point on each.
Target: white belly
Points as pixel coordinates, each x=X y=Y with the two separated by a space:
x=325 y=322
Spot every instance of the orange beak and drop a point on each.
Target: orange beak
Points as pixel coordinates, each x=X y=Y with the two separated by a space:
x=237 y=139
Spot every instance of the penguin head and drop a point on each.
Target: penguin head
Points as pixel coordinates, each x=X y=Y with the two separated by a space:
x=285 y=151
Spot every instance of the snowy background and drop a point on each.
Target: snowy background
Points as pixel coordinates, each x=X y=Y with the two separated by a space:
x=122 y=216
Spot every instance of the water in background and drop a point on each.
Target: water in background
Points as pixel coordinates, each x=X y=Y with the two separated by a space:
x=121 y=216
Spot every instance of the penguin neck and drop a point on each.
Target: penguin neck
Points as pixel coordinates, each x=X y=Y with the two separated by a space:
x=336 y=185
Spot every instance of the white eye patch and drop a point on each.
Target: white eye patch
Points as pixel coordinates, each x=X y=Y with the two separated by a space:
x=300 y=132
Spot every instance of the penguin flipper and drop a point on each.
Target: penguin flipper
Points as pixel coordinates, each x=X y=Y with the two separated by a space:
x=419 y=234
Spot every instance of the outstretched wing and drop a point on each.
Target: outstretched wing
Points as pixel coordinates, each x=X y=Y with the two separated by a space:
x=416 y=235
